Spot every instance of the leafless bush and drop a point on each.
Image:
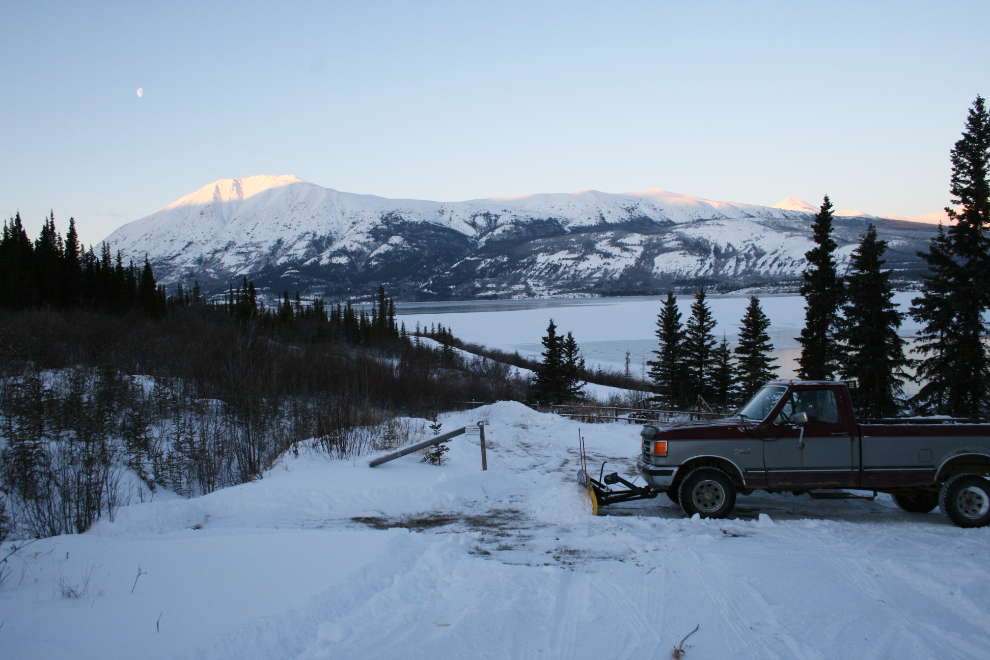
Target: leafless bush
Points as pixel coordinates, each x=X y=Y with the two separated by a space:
x=86 y=587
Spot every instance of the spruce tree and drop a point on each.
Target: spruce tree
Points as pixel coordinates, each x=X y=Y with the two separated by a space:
x=933 y=310
x=955 y=295
x=699 y=347
x=16 y=257
x=754 y=366
x=822 y=291
x=667 y=370
x=724 y=390
x=969 y=366
x=573 y=366
x=874 y=353
x=71 y=267
x=547 y=386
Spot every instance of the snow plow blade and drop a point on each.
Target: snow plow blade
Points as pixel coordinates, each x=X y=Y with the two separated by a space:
x=600 y=490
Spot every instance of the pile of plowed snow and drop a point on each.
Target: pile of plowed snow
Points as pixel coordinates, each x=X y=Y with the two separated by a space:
x=333 y=559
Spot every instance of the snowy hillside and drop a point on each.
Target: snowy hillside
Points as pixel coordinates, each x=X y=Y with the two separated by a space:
x=287 y=234
x=333 y=559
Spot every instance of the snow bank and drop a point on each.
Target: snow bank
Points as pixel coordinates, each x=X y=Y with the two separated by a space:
x=333 y=559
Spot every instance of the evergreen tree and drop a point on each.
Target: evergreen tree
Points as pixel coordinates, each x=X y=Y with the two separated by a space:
x=753 y=362
x=822 y=291
x=969 y=375
x=47 y=263
x=724 y=390
x=71 y=267
x=16 y=257
x=874 y=353
x=954 y=293
x=667 y=370
x=699 y=347
x=933 y=310
x=148 y=290
x=573 y=366
x=548 y=385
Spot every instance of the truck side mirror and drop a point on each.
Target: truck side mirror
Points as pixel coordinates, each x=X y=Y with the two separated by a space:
x=799 y=419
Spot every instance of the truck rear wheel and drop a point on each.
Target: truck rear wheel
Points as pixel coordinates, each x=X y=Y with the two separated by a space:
x=708 y=492
x=920 y=501
x=965 y=499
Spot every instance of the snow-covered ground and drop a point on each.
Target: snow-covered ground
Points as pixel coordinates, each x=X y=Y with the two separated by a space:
x=333 y=559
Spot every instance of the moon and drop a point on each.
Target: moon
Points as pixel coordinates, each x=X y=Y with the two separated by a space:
x=140 y=91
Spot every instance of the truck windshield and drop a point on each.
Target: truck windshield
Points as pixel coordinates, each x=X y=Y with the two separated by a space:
x=762 y=403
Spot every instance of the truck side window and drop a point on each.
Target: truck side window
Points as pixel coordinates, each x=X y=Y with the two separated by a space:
x=784 y=416
x=819 y=405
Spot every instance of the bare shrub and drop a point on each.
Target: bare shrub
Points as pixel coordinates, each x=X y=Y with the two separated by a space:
x=85 y=587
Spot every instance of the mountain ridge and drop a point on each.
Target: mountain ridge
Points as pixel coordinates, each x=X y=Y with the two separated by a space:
x=288 y=233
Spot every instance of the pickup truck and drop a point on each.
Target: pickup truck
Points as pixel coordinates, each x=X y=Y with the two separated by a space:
x=797 y=436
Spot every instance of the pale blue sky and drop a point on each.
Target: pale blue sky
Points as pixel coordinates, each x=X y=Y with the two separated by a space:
x=742 y=101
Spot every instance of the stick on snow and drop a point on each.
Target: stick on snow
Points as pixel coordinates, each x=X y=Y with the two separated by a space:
x=416 y=447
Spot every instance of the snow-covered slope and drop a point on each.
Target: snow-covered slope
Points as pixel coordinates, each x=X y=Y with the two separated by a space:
x=327 y=559
x=286 y=233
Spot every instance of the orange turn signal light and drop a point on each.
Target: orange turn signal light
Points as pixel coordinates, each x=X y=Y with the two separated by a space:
x=660 y=448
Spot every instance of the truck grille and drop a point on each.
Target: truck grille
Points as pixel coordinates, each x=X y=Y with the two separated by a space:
x=647 y=454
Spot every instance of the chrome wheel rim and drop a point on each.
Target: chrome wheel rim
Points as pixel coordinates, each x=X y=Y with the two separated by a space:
x=708 y=496
x=972 y=502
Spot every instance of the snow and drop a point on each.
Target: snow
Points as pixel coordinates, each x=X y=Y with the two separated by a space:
x=232 y=223
x=506 y=563
x=795 y=204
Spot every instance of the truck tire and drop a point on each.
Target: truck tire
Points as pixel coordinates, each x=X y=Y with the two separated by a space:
x=708 y=492
x=965 y=500
x=920 y=501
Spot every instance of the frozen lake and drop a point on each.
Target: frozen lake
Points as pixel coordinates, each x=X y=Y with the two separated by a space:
x=606 y=328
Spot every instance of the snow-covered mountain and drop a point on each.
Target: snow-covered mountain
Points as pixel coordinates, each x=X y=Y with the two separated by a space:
x=287 y=234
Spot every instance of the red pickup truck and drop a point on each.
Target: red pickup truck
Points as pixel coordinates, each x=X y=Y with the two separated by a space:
x=797 y=436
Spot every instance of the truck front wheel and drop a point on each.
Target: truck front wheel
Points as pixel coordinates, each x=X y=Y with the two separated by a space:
x=965 y=499
x=708 y=492
x=920 y=501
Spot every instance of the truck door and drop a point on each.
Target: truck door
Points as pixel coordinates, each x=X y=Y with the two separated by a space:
x=820 y=458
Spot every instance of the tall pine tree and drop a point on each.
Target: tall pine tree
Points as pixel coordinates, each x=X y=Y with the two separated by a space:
x=874 y=353
x=548 y=386
x=667 y=370
x=933 y=310
x=724 y=389
x=754 y=366
x=572 y=368
x=699 y=348
x=970 y=366
x=822 y=291
x=955 y=294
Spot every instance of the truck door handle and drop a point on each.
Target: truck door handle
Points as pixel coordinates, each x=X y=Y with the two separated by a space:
x=841 y=434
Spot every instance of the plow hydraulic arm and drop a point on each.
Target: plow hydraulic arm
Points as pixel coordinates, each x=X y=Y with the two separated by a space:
x=600 y=489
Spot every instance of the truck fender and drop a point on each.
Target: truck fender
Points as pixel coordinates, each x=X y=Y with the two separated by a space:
x=719 y=462
x=964 y=463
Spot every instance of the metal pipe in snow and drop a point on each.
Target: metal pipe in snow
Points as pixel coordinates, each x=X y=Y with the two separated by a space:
x=416 y=447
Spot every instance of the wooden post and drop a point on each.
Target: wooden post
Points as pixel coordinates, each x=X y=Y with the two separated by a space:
x=484 y=455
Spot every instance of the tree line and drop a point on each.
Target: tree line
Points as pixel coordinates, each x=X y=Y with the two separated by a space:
x=57 y=272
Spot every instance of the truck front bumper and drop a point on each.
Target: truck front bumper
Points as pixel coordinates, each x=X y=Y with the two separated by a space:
x=658 y=477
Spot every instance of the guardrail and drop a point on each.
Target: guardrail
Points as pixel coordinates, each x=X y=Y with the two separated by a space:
x=604 y=414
